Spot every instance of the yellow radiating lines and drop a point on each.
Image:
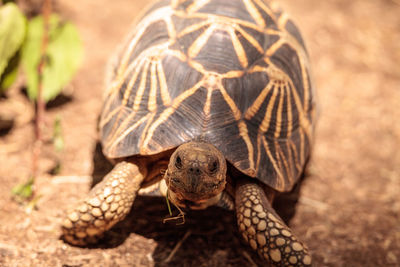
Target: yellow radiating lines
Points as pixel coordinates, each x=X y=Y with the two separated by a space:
x=196 y=5
x=277 y=80
x=139 y=69
x=283 y=19
x=304 y=122
x=268 y=114
x=296 y=155
x=250 y=39
x=152 y=104
x=149 y=122
x=132 y=82
x=125 y=98
x=194 y=27
x=278 y=124
x=178 y=54
x=282 y=159
x=288 y=39
x=274 y=47
x=241 y=125
x=232 y=74
x=163 y=85
x=254 y=13
x=207 y=105
x=289 y=111
x=198 y=67
x=275 y=72
x=290 y=158
x=128 y=130
x=241 y=54
x=118 y=81
x=166 y=113
x=170 y=28
x=266 y=9
x=244 y=133
x=306 y=85
x=142 y=87
x=128 y=52
x=118 y=127
x=105 y=120
x=125 y=64
x=154 y=16
x=301 y=104
x=304 y=66
x=199 y=43
x=236 y=112
x=258 y=68
x=277 y=158
x=252 y=110
x=163 y=13
x=272 y=159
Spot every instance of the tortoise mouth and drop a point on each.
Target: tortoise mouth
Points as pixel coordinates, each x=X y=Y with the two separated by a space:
x=194 y=200
x=186 y=194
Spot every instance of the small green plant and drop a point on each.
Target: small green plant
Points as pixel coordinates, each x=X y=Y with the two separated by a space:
x=24 y=193
x=49 y=51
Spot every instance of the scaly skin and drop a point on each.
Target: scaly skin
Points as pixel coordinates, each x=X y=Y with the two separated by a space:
x=264 y=231
x=107 y=203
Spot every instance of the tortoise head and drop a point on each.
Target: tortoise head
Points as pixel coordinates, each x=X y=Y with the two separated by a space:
x=196 y=175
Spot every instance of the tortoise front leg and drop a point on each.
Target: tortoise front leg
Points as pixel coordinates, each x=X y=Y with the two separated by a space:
x=264 y=231
x=107 y=203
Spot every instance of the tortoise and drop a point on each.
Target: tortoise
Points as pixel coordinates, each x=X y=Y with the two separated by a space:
x=210 y=102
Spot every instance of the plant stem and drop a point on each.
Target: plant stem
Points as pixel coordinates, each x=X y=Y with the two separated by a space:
x=40 y=104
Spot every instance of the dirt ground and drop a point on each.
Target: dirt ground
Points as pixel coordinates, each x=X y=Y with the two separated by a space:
x=349 y=208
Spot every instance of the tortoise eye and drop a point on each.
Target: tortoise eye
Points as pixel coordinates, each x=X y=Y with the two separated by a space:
x=178 y=162
x=213 y=167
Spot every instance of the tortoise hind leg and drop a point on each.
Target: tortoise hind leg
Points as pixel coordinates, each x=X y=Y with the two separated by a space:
x=264 y=231
x=107 y=203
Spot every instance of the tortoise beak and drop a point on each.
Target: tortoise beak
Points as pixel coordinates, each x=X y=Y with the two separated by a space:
x=194 y=175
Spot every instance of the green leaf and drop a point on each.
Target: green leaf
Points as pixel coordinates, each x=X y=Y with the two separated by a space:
x=12 y=33
x=10 y=73
x=24 y=191
x=63 y=56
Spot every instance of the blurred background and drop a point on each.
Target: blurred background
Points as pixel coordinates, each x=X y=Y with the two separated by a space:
x=349 y=208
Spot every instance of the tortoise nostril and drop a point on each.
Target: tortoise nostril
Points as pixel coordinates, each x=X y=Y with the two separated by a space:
x=194 y=170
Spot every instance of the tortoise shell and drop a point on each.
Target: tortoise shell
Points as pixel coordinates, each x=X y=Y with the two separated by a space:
x=234 y=73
